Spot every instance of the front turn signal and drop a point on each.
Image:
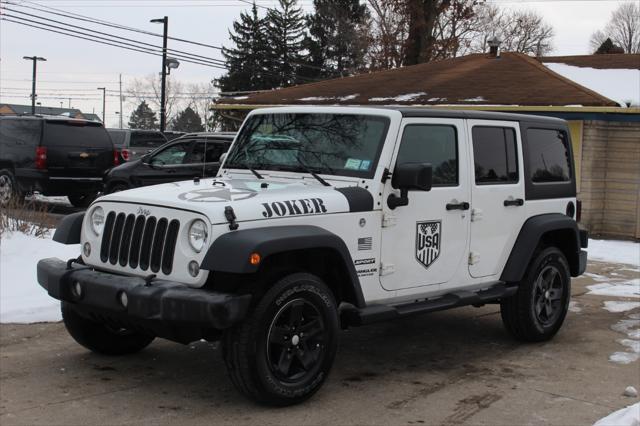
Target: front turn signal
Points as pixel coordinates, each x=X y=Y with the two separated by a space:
x=254 y=259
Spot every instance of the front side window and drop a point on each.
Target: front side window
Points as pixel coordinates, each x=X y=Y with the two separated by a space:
x=333 y=144
x=549 y=159
x=495 y=155
x=171 y=155
x=433 y=144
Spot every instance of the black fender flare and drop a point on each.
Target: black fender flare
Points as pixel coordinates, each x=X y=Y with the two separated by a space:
x=69 y=229
x=529 y=237
x=230 y=252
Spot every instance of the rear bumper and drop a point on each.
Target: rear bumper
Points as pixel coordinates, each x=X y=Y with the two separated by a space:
x=30 y=180
x=161 y=306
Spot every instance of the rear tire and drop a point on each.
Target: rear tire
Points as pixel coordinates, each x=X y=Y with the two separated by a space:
x=82 y=200
x=536 y=312
x=100 y=338
x=8 y=188
x=283 y=352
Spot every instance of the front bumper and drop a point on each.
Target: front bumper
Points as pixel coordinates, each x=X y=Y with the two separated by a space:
x=160 y=305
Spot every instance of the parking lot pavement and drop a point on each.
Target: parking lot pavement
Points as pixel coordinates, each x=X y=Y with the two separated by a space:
x=455 y=367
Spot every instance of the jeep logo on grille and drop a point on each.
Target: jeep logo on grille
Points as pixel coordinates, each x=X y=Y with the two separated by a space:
x=428 y=241
x=142 y=211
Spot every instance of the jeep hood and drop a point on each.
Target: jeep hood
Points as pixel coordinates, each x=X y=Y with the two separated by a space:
x=250 y=199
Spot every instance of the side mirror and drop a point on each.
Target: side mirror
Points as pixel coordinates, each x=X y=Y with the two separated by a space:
x=407 y=177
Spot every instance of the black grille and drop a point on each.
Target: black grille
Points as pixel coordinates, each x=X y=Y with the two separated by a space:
x=140 y=242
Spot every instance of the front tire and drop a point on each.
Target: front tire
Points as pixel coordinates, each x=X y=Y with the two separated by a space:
x=100 y=338
x=536 y=312
x=283 y=352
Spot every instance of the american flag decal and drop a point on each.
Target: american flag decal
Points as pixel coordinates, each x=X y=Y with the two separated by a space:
x=365 y=243
x=428 y=237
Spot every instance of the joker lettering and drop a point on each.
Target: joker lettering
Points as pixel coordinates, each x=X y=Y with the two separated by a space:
x=294 y=207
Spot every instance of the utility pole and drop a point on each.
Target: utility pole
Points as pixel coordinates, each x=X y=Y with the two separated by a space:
x=163 y=87
x=104 y=103
x=35 y=60
x=69 y=103
x=121 y=101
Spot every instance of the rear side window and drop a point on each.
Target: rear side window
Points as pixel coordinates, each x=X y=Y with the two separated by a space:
x=495 y=155
x=118 y=137
x=20 y=132
x=549 y=159
x=147 y=140
x=214 y=151
x=434 y=144
x=76 y=134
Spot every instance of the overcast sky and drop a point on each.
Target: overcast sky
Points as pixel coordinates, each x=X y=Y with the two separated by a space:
x=75 y=68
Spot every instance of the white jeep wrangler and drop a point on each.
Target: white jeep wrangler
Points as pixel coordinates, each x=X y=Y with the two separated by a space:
x=322 y=217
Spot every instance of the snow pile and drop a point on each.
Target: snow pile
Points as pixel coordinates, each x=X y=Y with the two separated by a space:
x=615 y=251
x=407 y=97
x=629 y=416
x=620 y=85
x=22 y=300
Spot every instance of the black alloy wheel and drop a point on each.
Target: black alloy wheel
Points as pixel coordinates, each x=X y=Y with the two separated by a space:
x=296 y=341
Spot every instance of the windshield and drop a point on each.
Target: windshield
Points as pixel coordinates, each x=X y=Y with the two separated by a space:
x=334 y=144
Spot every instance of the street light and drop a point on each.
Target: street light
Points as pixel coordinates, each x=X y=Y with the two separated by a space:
x=163 y=119
x=35 y=60
x=104 y=101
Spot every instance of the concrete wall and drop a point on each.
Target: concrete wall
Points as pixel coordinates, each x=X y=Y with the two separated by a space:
x=610 y=179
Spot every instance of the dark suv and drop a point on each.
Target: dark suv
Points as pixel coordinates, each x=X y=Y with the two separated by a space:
x=133 y=144
x=195 y=154
x=54 y=156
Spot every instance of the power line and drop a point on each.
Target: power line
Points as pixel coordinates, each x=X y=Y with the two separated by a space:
x=95 y=39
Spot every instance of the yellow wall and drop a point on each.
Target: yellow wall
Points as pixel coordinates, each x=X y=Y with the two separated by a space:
x=575 y=128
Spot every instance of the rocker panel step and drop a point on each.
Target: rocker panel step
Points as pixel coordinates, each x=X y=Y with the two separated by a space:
x=377 y=313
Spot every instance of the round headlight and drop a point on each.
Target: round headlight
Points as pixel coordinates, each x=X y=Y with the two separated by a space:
x=97 y=220
x=198 y=235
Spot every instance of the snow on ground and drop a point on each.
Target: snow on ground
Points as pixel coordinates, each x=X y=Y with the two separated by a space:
x=617 y=288
x=628 y=416
x=22 y=300
x=575 y=307
x=476 y=99
x=620 y=85
x=629 y=326
x=626 y=252
x=617 y=306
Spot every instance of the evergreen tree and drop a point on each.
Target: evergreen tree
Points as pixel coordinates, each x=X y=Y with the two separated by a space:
x=143 y=118
x=285 y=36
x=338 y=39
x=246 y=63
x=607 y=46
x=187 y=121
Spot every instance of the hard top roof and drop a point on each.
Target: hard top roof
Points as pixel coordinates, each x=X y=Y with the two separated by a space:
x=49 y=118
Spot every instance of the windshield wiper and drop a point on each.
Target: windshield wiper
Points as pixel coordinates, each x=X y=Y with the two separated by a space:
x=252 y=170
x=311 y=172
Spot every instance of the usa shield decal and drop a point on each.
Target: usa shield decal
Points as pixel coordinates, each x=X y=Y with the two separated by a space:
x=428 y=238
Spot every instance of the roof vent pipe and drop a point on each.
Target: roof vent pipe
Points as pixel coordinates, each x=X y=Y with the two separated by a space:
x=494 y=47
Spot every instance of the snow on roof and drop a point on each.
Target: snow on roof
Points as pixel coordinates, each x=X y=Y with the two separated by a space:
x=620 y=85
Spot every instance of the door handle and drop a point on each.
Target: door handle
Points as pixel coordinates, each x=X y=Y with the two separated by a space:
x=518 y=202
x=459 y=206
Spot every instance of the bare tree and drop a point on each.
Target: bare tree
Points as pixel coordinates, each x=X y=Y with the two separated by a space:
x=389 y=30
x=148 y=89
x=200 y=97
x=522 y=31
x=623 y=29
